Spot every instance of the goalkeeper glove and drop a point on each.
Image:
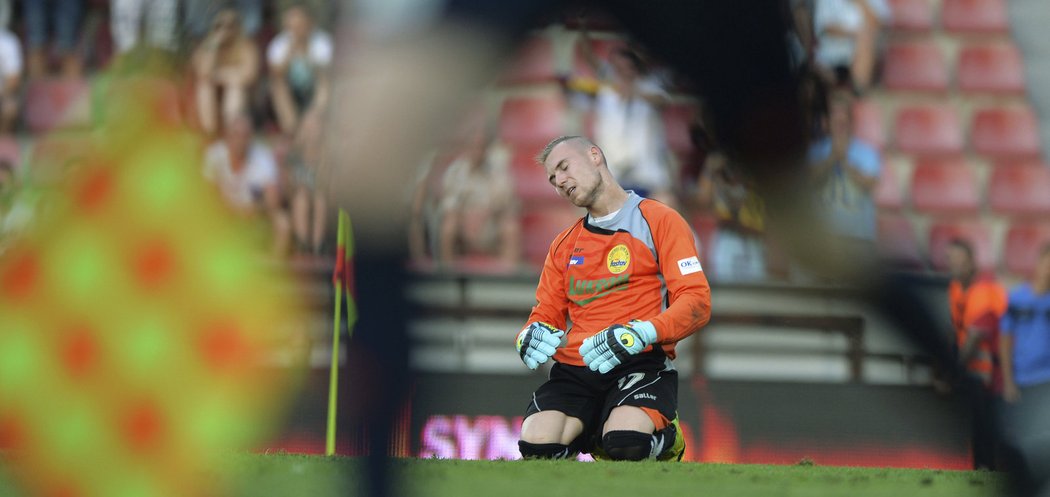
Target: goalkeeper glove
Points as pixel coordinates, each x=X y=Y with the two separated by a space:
x=537 y=342
x=612 y=346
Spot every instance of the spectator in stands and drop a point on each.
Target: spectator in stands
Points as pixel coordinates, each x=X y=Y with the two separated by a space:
x=847 y=33
x=309 y=179
x=299 y=59
x=977 y=304
x=247 y=176
x=10 y=80
x=158 y=18
x=198 y=15
x=227 y=63
x=5 y=14
x=479 y=213
x=17 y=205
x=64 y=18
x=739 y=252
x=627 y=121
x=846 y=171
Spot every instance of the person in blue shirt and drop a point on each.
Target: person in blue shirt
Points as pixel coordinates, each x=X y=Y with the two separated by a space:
x=1025 y=334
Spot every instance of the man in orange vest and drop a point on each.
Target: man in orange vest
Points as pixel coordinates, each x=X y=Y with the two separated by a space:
x=978 y=303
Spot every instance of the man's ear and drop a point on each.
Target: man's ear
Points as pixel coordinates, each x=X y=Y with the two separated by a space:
x=596 y=155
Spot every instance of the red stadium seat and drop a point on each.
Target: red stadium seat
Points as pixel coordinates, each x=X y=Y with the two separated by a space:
x=911 y=15
x=530 y=179
x=928 y=130
x=991 y=68
x=1006 y=132
x=534 y=63
x=54 y=103
x=897 y=241
x=1022 y=189
x=944 y=186
x=540 y=226
x=975 y=16
x=888 y=192
x=917 y=66
x=867 y=123
x=972 y=231
x=677 y=120
x=532 y=119
x=1022 y=247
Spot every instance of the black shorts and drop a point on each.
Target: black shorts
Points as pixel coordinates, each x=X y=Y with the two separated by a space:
x=643 y=381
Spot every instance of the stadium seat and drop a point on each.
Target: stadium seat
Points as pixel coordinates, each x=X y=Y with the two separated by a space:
x=533 y=63
x=928 y=130
x=977 y=234
x=911 y=15
x=530 y=181
x=991 y=68
x=1022 y=246
x=677 y=119
x=1020 y=189
x=888 y=192
x=918 y=66
x=944 y=185
x=53 y=103
x=975 y=16
x=897 y=242
x=539 y=227
x=1005 y=132
x=532 y=119
x=867 y=123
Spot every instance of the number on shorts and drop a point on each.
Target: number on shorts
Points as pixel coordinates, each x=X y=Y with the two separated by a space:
x=628 y=381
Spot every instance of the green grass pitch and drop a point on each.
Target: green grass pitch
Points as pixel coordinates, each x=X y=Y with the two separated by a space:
x=293 y=475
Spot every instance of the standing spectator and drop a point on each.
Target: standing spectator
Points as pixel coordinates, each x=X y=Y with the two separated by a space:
x=846 y=171
x=10 y=80
x=847 y=33
x=739 y=251
x=479 y=213
x=226 y=62
x=627 y=123
x=199 y=13
x=64 y=18
x=126 y=21
x=977 y=303
x=299 y=59
x=310 y=179
x=246 y=174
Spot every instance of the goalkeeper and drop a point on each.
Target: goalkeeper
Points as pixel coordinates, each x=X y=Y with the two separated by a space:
x=628 y=278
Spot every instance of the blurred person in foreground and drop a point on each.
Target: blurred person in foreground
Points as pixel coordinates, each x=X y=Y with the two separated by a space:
x=247 y=176
x=10 y=80
x=226 y=63
x=478 y=209
x=977 y=304
x=1024 y=349
x=628 y=278
x=299 y=59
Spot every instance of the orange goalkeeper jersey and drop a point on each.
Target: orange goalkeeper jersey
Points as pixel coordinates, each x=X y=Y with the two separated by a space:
x=640 y=264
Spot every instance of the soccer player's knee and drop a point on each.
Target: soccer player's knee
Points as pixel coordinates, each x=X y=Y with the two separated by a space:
x=628 y=445
x=544 y=451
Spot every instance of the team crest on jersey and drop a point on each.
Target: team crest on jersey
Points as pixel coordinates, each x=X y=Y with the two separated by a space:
x=619 y=259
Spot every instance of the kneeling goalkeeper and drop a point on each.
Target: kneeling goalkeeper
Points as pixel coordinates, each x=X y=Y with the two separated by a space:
x=628 y=278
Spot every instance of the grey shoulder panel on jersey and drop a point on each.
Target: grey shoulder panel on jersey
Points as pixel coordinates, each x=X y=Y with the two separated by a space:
x=631 y=220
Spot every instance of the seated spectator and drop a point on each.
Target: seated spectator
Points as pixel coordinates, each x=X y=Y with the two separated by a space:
x=847 y=33
x=197 y=15
x=227 y=63
x=247 y=176
x=10 y=80
x=479 y=212
x=309 y=180
x=299 y=59
x=739 y=251
x=157 y=17
x=17 y=205
x=64 y=18
x=627 y=122
x=846 y=171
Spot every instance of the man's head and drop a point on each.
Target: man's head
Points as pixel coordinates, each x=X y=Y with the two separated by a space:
x=298 y=21
x=961 y=262
x=1042 y=268
x=239 y=133
x=577 y=169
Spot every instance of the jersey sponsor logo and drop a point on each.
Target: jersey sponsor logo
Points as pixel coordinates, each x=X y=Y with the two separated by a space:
x=619 y=259
x=644 y=395
x=689 y=265
x=576 y=260
x=595 y=289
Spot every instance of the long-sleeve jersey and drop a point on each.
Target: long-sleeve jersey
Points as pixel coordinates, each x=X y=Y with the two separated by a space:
x=640 y=264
